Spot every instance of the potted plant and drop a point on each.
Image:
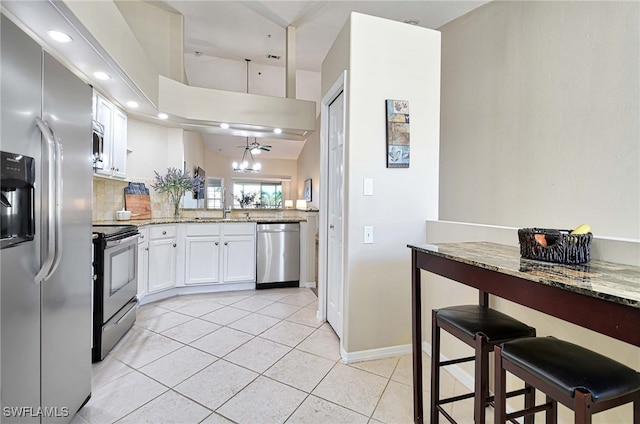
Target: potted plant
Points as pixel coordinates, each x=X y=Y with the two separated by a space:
x=246 y=199
x=174 y=184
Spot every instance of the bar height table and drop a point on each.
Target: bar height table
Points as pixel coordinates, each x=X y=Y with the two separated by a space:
x=601 y=296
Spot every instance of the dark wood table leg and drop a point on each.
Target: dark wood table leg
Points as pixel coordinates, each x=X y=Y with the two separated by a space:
x=416 y=323
x=483 y=298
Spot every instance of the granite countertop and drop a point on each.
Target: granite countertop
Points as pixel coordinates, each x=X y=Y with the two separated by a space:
x=156 y=221
x=615 y=282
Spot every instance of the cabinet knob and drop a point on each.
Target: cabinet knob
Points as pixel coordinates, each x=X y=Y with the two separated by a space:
x=174 y=245
x=164 y=233
x=146 y=248
x=216 y=243
x=226 y=243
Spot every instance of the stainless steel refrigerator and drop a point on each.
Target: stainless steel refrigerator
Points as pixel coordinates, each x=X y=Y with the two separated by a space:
x=45 y=248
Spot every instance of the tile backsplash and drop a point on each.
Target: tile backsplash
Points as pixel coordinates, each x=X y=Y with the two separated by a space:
x=108 y=197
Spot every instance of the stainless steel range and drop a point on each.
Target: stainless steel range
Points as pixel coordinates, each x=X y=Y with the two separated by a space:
x=116 y=284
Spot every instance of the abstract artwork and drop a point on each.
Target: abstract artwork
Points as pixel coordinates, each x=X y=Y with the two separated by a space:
x=398 y=145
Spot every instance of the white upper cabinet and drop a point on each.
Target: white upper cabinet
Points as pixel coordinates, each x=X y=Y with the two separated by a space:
x=114 y=121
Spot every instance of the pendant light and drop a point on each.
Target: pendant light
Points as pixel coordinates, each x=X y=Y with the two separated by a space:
x=247 y=163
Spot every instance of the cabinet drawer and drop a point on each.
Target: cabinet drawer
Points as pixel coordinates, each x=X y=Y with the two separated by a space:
x=162 y=231
x=240 y=229
x=203 y=229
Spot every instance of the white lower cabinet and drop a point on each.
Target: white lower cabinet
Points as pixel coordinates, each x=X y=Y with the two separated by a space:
x=220 y=253
x=239 y=259
x=201 y=263
x=184 y=258
x=143 y=261
x=162 y=258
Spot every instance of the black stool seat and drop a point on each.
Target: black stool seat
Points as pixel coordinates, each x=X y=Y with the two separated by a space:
x=476 y=319
x=568 y=367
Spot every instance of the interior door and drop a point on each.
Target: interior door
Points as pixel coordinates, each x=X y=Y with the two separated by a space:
x=335 y=207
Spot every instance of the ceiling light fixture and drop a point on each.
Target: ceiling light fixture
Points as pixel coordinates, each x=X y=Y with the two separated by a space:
x=102 y=76
x=163 y=116
x=133 y=105
x=58 y=36
x=224 y=125
x=278 y=130
x=248 y=163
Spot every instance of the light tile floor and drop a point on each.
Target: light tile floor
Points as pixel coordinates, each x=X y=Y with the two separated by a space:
x=247 y=357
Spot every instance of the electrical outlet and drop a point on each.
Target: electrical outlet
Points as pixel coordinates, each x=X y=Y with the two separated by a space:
x=368 y=234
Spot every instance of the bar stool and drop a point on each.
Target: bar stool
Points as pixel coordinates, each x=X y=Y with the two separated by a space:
x=481 y=328
x=584 y=381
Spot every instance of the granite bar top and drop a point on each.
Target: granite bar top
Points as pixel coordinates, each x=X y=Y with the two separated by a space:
x=156 y=221
x=615 y=282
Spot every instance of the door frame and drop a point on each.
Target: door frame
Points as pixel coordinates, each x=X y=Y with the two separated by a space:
x=339 y=86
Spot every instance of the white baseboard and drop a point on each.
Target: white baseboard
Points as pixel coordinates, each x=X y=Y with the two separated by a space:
x=197 y=289
x=309 y=285
x=373 y=354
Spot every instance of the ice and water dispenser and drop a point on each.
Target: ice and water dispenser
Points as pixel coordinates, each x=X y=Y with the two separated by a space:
x=17 y=215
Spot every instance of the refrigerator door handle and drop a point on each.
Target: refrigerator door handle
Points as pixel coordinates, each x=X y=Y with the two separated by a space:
x=58 y=198
x=48 y=214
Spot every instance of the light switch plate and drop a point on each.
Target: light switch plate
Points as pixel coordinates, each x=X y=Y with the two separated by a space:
x=368 y=234
x=368 y=187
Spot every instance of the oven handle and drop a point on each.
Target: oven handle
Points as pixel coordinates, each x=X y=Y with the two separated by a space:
x=113 y=243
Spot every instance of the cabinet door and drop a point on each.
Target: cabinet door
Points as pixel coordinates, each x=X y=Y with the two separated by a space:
x=119 y=144
x=239 y=259
x=104 y=115
x=202 y=263
x=162 y=264
x=143 y=267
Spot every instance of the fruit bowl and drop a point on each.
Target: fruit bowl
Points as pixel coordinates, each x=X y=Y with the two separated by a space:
x=561 y=246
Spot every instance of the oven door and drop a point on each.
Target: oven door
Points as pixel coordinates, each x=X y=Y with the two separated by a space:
x=120 y=274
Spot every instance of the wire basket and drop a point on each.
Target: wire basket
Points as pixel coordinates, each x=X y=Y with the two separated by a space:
x=561 y=248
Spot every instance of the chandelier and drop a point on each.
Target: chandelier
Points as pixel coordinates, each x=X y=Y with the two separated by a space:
x=247 y=163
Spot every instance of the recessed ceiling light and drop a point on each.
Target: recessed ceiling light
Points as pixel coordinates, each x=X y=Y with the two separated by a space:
x=411 y=22
x=277 y=131
x=224 y=125
x=163 y=115
x=102 y=75
x=58 y=36
x=133 y=105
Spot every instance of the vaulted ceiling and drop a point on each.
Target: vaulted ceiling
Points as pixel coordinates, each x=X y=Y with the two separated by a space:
x=220 y=35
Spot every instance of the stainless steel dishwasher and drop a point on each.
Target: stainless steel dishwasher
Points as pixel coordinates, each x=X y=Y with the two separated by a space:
x=278 y=255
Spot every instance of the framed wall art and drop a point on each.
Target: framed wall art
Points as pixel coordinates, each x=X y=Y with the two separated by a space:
x=398 y=145
x=307 y=190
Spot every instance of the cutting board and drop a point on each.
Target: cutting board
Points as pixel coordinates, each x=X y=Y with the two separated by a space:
x=139 y=205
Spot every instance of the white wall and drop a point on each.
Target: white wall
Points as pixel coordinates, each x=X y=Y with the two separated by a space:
x=153 y=148
x=540 y=107
x=406 y=60
x=308 y=166
x=160 y=33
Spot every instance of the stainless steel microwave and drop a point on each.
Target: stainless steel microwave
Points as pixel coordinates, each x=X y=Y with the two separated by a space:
x=98 y=145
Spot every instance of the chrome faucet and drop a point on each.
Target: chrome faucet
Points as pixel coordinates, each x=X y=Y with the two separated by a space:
x=226 y=213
